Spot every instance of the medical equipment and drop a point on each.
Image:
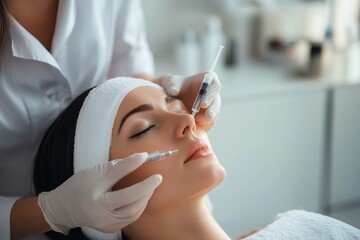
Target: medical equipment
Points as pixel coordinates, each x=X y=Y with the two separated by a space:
x=205 y=84
x=156 y=156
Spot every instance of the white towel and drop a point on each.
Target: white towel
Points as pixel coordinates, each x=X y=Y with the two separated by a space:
x=298 y=224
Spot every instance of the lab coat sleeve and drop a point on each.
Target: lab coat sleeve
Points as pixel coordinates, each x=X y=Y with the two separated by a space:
x=131 y=53
x=6 y=203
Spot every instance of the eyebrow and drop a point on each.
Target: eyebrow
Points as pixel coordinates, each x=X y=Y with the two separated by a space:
x=141 y=108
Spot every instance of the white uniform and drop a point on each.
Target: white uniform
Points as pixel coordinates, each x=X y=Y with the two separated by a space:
x=94 y=40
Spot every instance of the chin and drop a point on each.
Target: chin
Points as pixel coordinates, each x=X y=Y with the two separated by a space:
x=210 y=174
x=215 y=174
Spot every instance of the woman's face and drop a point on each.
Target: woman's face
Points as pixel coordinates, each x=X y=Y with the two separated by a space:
x=148 y=120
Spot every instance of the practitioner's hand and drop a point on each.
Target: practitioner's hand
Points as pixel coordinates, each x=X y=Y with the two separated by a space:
x=187 y=87
x=86 y=199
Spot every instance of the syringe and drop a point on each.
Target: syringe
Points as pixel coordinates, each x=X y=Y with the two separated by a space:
x=156 y=156
x=205 y=84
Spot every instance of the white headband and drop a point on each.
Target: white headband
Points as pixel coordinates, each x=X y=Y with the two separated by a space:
x=94 y=126
x=96 y=118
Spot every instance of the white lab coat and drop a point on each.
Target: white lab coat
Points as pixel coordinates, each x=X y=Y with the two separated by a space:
x=94 y=40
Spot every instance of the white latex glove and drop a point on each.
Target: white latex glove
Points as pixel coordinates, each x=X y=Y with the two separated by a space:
x=86 y=199
x=175 y=84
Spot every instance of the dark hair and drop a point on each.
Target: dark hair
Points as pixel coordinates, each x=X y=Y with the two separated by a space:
x=4 y=27
x=54 y=158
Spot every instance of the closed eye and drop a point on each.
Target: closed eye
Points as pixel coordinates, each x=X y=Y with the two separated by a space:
x=139 y=134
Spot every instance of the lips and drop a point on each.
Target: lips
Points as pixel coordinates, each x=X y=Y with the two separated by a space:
x=198 y=149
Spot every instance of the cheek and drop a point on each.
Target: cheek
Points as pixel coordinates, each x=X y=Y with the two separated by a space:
x=153 y=142
x=180 y=182
x=121 y=147
x=191 y=181
x=129 y=180
x=144 y=172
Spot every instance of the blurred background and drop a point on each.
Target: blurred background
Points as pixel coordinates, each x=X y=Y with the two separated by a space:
x=289 y=129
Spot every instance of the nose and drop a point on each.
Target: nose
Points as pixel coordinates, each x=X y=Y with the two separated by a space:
x=185 y=125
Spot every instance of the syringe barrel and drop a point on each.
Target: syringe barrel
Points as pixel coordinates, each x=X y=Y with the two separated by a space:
x=200 y=97
x=154 y=156
x=202 y=91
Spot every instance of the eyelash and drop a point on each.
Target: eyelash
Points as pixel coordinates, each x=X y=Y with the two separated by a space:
x=139 y=134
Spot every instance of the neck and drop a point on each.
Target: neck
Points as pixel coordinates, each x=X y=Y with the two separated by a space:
x=191 y=220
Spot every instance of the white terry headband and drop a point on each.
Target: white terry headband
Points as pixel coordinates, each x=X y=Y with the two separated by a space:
x=94 y=126
x=96 y=119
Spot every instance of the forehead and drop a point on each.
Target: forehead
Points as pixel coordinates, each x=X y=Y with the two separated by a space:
x=139 y=96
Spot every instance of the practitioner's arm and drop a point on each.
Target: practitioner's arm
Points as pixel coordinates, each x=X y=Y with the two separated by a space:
x=248 y=234
x=27 y=219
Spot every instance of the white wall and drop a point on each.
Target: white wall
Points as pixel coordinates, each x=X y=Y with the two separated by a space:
x=166 y=19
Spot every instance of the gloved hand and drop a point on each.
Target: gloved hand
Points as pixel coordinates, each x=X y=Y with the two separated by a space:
x=176 y=85
x=86 y=199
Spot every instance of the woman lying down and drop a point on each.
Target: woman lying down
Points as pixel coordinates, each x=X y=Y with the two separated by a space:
x=123 y=116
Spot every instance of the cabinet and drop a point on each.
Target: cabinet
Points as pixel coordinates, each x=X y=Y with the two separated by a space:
x=272 y=149
x=345 y=152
